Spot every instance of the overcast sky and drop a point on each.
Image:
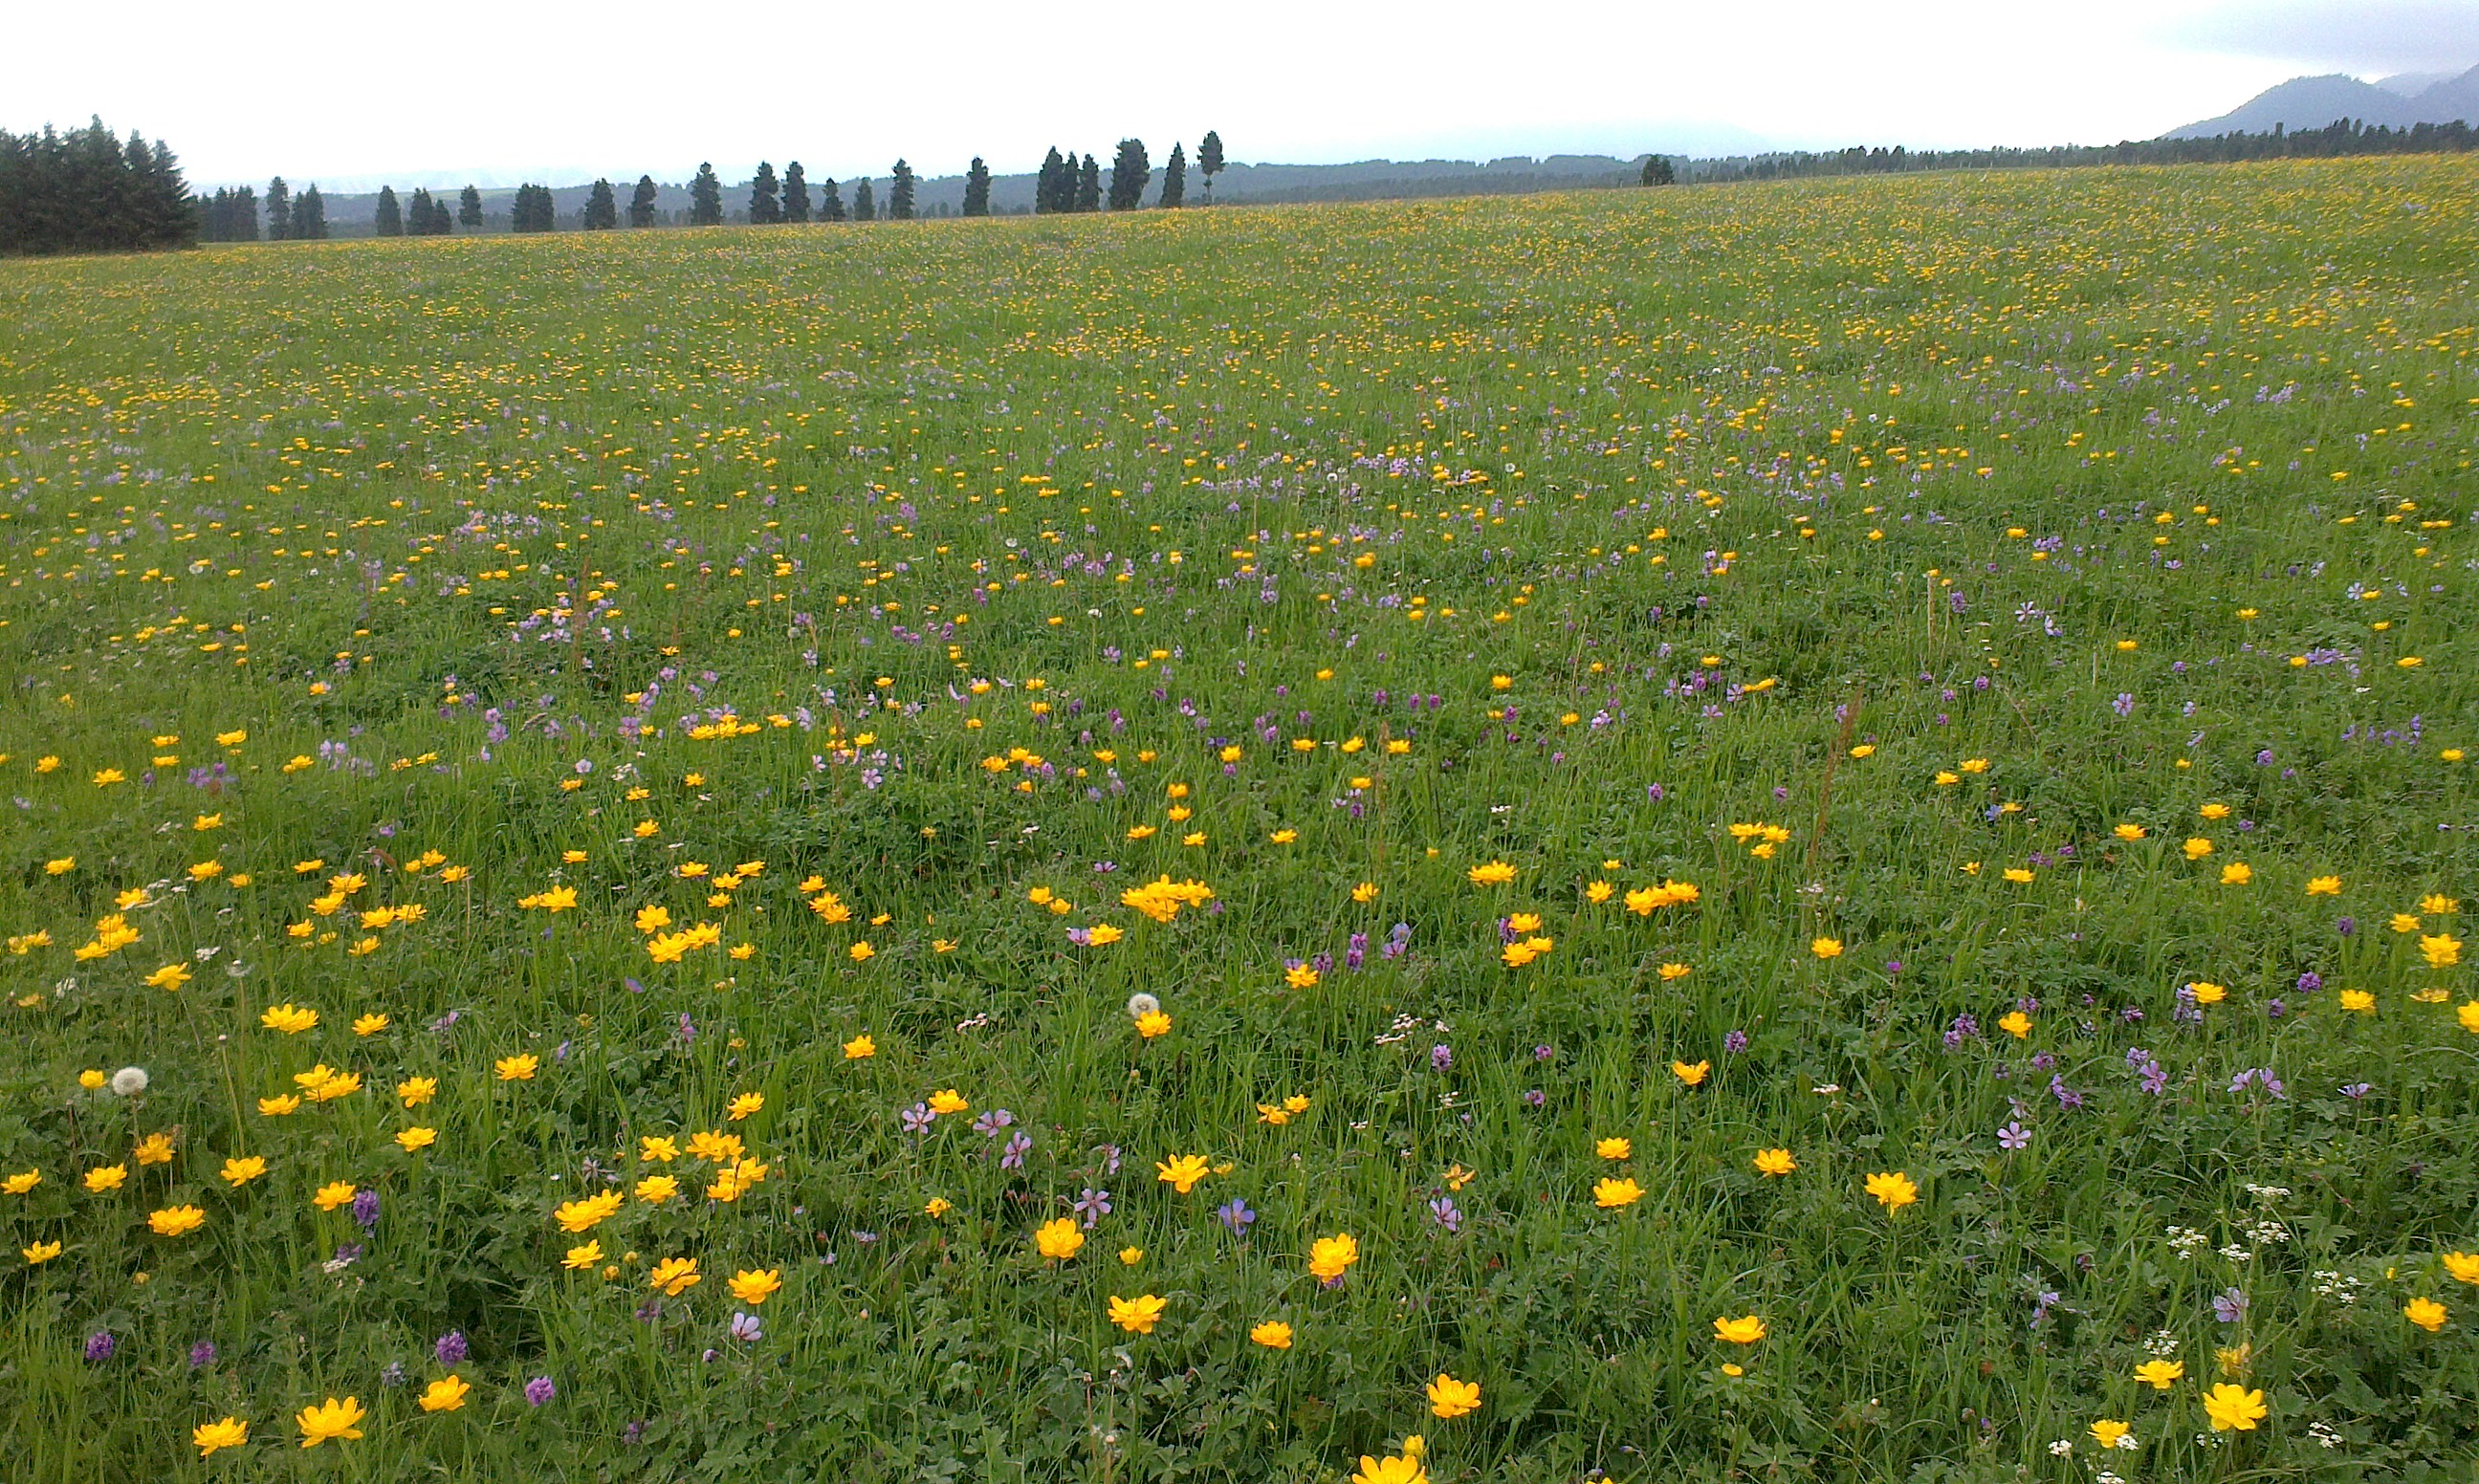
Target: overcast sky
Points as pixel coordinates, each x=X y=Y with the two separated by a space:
x=500 y=91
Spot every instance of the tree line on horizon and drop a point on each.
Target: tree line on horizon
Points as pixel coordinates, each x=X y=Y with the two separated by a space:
x=89 y=190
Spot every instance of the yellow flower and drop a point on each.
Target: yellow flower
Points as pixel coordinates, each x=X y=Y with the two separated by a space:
x=369 y=1025
x=334 y=1193
x=2229 y=1406
x=93 y=1080
x=2205 y=992
x=41 y=1252
x=2238 y=873
x=1674 y=971
x=674 y=1276
x=517 y=1068
x=2425 y=1312
x=2463 y=1266
x=1739 y=1331
x=746 y=1104
x=1181 y=1172
x=2359 y=1000
x=1451 y=1399
x=171 y=976
x=2197 y=847
x=2468 y=1012
x=948 y=1101
x=445 y=1395
x=416 y=1091
x=230 y=1433
x=1614 y=1148
x=581 y=1259
x=1273 y=1335
x=1490 y=873
x=1827 y=948
x=1893 y=1189
x=2324 y=886
x=241 y=1169
x=2129 y=832
x=330 y=1419
x=1404 y=1468
x=859 y=1047
x=278 y=1106
x=1610 y=1194
x=1329 y=1257
x=106 y=1177
x=2016 y=1024
x=2441 y=949
x=1772 y=1163
x=176 y=1220
x=1692 y=1074
x=1153 y=1024
x=1137 y=1316
x=654 y=1190
x=289 y=1018
x=1058 y=1240
x=657 y=1148
x=938 y=1207
x=755 y=1286
x=585 y=1215
x=1102 y=934
x=1130 y=1257
x=2159 y=1373
x=417 y=1138
x=21 y=1182
x=2110 y=1434
x=154 y=1149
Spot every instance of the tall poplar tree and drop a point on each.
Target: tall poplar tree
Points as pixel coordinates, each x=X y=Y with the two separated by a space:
x=977 y=189
x=1047 y=193
x=1209 y=161
x=1130 y=172
x=1175 y=177
x=705 y=198
x=468 y=209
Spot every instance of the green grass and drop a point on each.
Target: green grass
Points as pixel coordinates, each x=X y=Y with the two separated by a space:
x=1577 y=530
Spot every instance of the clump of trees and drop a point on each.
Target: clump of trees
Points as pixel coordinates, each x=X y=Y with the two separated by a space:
x=87 y=190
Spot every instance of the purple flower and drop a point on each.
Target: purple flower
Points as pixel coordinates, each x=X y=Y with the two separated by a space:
x=2013 y=1136
x=1735 y=1041
x=540 y=1390
x=202 y=1355
x=1019 y=1145
x=99 y=1346
x=2309 y=981
x=366 y=1209
x=394 y=1375
x=744 y=1328
x=1236 y=1216
x=452 y=1347
x=917 y=1118
x=1542 y=1053
x=1442 y=1057
x=2346 y=926
x=2067 y=1098
x=2229 y=1306
x=2123 y=705
x=2357 y=1089
x=1445 y=1213
x=988 y=1124
x=1534 y=1097
x=1965 y=1026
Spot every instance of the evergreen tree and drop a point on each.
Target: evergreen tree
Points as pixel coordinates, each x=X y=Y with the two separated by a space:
x=1088 y=186
x=602 y=208
x=1209 y=161
x=1175 y=177
x=977 y=189
x=900 y=193
x=1046 y=191
x=1130 y=172
x=533 y=210
x=765 y=205
x=310 y=216
x=705 y=198
x=280 y=210
x=442 y=221
x=468 y=209
x=243 y=225
x=388 y=216
x=795 y=193
x=865 y=205
x=1657 y=171
x=831 y=201
x=641 y=205
x=416 y=213
x=88 y=191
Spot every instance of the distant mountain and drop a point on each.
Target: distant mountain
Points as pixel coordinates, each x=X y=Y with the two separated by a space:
x=2410 y=84
x=2313 y=102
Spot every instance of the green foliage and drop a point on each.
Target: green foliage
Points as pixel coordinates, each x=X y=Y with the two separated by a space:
x=641 y=203
x=469 y=208
x=1174 y=187
x=1130 y=173
x=1969 y=543
x=795 y=193
x=602 y=209
x=977 y=189
x=705 y=198
x=766 y=204
x=88 y=191
x=900 y=193
x=388 y=219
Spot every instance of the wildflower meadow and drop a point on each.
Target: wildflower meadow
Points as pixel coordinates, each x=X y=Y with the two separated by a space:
x=1816 y=829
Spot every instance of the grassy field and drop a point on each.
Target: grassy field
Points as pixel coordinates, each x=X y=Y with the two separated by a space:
x=1830 y=822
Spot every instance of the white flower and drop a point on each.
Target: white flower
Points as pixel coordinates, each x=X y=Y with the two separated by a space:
x=1142 y=1005
x=129 y=1081
x=2061 y=1448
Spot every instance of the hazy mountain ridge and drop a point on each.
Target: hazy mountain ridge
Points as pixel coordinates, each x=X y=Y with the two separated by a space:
x=2313 y=102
